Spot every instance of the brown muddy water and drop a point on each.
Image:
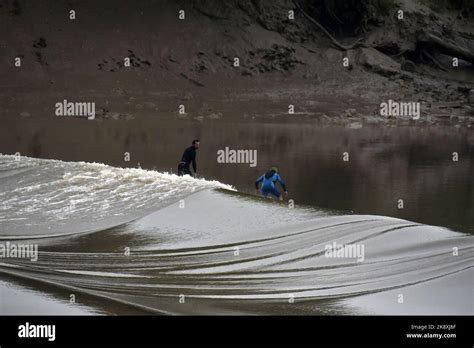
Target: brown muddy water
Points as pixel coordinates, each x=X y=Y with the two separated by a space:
x=228 y=252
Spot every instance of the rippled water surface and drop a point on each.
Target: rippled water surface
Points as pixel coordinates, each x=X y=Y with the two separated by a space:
x=159 y=243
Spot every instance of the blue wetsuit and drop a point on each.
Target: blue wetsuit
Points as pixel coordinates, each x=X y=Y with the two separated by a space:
x=268 y=181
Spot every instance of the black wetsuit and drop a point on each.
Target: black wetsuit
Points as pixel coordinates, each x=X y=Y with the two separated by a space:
x=189 y=156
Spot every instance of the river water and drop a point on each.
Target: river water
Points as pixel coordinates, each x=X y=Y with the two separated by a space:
x=130 y=240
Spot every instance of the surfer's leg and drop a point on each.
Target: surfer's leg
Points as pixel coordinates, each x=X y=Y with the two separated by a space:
x=268 y=191
x=274 y=191
x=181 y=169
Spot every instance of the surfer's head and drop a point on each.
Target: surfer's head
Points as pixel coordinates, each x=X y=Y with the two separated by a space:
x=271 y=171
x=196 y=143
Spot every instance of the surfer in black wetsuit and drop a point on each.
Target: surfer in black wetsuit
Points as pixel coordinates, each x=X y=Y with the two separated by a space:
x=189 y=156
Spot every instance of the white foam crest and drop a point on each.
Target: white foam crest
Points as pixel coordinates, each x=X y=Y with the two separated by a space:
x=69 y=189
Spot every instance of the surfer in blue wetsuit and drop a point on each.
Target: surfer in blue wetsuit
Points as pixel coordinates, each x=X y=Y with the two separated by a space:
x=268 y=181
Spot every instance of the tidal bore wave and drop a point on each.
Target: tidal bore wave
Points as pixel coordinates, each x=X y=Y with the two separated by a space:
x=181 y=245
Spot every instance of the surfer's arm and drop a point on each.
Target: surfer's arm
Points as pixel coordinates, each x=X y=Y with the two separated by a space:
x=259 y=180
x=194 y=162
x=282 y=183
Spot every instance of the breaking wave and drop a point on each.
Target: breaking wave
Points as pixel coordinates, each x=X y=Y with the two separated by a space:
x=180 y=245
